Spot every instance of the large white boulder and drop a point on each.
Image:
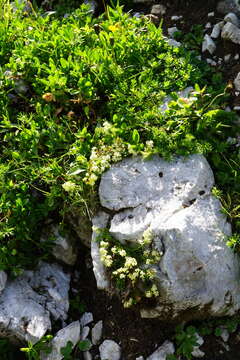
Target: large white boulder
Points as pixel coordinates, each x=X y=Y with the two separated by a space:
x=28 y=302
x=174 y=200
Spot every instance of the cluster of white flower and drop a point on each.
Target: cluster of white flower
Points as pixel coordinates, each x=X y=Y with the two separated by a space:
x=102 y=157
x=153 y=291
x=131 y=269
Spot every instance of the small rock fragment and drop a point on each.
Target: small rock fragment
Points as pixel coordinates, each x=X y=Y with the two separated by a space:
x=227 y=58
x=140 y=358
x=69 y=333
x=93 y=5
x=237 y=82
x=97 y=332
x=236 y=57
x=208 y=44
x=224 y=334
x=110 y=350
x=99 y=221
x=3 y=280
x=86 y=318
x=176 y=18
x=208 y=25
x=167 y=348
x=158 y=9
x=211 y=14
x=85 y=332
x=172 y=30
x=231 y=32
x=232 y=18
x=173 y=43
x=87 y=355
x=196 y=351
x=216 y=31
x=211 y=62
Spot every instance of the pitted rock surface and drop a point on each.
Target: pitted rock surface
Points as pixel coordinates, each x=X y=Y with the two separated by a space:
x=28 y=302
x=174 y=200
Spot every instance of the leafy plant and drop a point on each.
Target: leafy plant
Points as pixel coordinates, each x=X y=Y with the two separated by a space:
x=186 y=340
x=34 y=351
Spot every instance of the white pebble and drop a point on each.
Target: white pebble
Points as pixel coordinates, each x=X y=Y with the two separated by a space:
x=211 y=14
x=227 y=58
x=232 y=18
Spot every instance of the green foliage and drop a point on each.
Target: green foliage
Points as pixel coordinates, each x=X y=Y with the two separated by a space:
x=84 y=345
x=78 y=94
x=186 y=340
x=33 y=352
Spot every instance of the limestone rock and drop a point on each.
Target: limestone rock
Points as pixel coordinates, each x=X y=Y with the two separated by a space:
x=27 y=302
x=97 y=332
x=217 y=29
x=86 y=319
x=232 y=18
x=64 y=248
x=172 y=31
x=167 y=348
x=158 y=9
x=109 y=349
x=226 y=6
x=231 y=32
x=174 y=200
x=196 y=351
x=83 y=227
x=53 y=284
x=100 y=221
x=237 y=82
x=69 y=333
x=208 y=44
x=3 y=280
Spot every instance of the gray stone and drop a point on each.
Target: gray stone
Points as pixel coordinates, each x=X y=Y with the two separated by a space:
x=110 y=350
x=237 y=82
x=174 y=201
x=231 y=32
x=86 y=319
x=167 y=348
x=83 y=227
x=226 y=6
x=158 y=9
x=196 y=351
x=216 y=30
x=27 y=302
x=172 y=31
x=100 y=221
x=87 y=355
x=232 y=18
x=69 y=333
x=85 y=332
x=97 y=332
x=3 y=280
x=173 y=43
x=224 y=334
x=64 y=248
x=208 y=44
x=93 y=5
x=53 y=284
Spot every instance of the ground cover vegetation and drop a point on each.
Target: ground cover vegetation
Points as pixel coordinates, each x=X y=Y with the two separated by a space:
x=78 y=93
